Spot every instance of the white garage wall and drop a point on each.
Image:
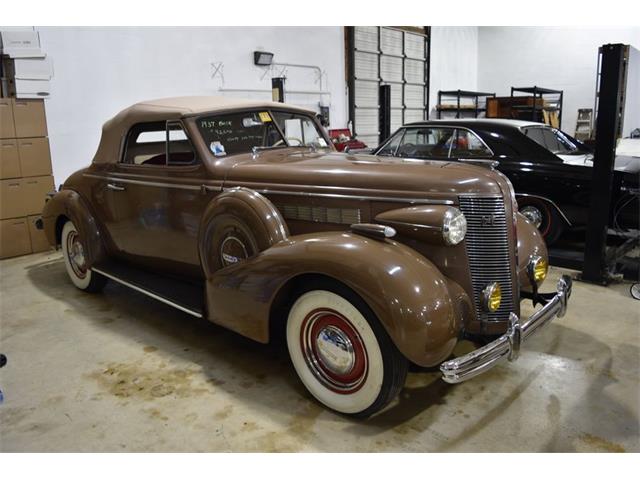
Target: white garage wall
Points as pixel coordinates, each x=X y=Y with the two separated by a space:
x=563 y=58
x=454 y=61
x=99 y=71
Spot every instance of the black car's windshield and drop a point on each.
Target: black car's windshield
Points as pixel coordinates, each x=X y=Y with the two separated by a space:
x=234 y=133
x=553 y=140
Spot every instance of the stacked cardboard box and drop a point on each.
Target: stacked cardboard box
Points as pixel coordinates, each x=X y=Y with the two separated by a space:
x=25 y=175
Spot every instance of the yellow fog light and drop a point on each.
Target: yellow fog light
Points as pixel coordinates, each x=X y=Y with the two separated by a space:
x=538 y=268
x=492 y=295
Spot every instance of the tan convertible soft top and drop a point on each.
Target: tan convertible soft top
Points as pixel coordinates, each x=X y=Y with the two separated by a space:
x=170 y=109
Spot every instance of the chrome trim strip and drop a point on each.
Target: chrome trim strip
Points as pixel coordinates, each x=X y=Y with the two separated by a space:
x=266 y=191
x=508 y=345
x=147 y=292
x=414 y=225
x=431 y=201
x=546 y=200
x=181 y=186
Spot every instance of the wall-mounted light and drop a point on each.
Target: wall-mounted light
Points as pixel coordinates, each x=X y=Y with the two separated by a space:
x=263 y=59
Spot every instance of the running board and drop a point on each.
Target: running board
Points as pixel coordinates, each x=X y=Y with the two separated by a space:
x=184 y=296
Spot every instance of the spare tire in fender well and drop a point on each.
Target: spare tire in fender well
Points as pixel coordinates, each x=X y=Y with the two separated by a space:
x=236 y=225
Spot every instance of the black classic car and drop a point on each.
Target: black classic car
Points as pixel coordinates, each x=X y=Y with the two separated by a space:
x=550 y=171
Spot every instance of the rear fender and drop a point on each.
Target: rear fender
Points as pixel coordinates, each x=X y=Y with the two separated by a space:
x=69 y=204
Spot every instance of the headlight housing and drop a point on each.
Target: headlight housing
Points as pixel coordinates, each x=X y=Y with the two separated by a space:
x=454 y=226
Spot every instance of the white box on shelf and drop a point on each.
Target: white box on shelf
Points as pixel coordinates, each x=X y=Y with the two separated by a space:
x=21 y=43
x=33 y=68
x=25 y=88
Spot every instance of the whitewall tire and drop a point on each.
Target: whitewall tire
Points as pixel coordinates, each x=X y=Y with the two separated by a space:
x=73 y=252
x=342 y=354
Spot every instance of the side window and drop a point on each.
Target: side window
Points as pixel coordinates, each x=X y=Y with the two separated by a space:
x=535 y=134
x=392 y=145
x=468 y=145
x=427 y=142
x=179 y=147
x=148 y=144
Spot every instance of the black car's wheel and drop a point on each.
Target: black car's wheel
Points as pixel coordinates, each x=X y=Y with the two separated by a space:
x=543 y=217
x=342 y=354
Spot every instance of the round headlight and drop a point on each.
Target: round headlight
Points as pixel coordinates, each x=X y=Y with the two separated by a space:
x=491 y=297
x=538 y=268
x=454 y=227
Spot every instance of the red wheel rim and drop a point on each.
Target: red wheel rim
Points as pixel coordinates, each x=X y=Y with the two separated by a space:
x=75 y=251
x=334 y=351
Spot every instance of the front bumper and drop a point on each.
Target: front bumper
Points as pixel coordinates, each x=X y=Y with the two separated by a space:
x=508 y=345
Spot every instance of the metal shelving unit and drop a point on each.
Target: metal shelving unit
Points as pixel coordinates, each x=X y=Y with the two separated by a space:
x=534 y=112
x=459 y=108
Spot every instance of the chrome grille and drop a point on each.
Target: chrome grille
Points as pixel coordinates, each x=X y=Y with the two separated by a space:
x=489 y=253
x=320 y=214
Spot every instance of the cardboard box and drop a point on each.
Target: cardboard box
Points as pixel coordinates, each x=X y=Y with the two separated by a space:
x=35 y=160
x=14 y=237
x=21 y=43
x=29 y=118
x=20 y=197
x=11 y=196
x=39 y=241
x=35 y=191
x=9 y=159
x=7 y=127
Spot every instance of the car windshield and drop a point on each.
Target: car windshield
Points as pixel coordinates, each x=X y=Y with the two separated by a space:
x=553 y=140
x=300 y=130
x=235 y=133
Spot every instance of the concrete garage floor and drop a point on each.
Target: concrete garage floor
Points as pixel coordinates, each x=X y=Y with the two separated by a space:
x=121 y=372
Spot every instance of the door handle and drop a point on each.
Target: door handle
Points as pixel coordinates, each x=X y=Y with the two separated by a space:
x=113 y=186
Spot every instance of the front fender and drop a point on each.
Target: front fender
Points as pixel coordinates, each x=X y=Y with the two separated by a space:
x=69 y=204
x=419 y=307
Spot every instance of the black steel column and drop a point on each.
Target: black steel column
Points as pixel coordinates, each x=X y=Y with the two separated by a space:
x=594 y=269
x=277 y=89
x=384 y=112
x=350 y=41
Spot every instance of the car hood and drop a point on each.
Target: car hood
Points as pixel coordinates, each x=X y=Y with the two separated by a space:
x=304 y=170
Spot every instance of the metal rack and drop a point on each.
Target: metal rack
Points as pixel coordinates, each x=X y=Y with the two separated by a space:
x=457 y=108
x=534 y=112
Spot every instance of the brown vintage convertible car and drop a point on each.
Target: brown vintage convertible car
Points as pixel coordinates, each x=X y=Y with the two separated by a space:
x=243 y=213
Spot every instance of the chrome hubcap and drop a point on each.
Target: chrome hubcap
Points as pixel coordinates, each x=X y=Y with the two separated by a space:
x=533 y=215
x=335 y=350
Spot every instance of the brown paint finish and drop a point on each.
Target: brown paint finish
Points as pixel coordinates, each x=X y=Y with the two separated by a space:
x=291 y=208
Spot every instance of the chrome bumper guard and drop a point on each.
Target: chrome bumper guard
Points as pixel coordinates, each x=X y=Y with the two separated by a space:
x=508 y=345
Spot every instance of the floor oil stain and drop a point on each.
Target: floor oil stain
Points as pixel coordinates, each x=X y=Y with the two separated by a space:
x=156 y=414
x=150 y=349
x=224 y=413
x=133 y=380
x=601 y=444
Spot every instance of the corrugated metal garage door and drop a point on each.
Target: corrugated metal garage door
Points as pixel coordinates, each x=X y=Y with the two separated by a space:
x=386 y=56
